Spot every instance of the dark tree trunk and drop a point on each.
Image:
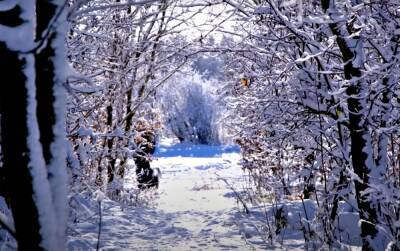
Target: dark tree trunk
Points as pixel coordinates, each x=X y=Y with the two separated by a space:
x=358 y=131
x=110 y=145
x=45 y=98
x=359 y=134
x=44 y=67
x=128 y=126
x=25 y=132
x=14 y=130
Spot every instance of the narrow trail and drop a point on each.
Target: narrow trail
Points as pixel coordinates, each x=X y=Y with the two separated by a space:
x=194 y=209
x=192 y=190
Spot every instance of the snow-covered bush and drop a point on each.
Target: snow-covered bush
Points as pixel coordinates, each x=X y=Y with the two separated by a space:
x=189 y=109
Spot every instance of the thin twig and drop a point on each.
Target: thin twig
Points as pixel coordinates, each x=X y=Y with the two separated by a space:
x=247 y=210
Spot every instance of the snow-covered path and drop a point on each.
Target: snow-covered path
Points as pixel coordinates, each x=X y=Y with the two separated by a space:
x=194 y=209
x=192 y=190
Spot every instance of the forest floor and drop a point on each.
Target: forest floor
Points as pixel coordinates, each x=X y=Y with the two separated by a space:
x=193 y=209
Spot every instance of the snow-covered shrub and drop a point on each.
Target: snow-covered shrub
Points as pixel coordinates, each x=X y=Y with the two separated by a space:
x=189 y=109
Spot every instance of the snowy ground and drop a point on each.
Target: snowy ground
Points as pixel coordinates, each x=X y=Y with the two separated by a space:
x=193 y=209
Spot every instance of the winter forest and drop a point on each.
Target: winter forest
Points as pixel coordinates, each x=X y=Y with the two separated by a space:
x=200 y=125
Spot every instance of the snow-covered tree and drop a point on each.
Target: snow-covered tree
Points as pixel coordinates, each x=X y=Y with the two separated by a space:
x=33 y=64
x=321 y=106
x=122 y=54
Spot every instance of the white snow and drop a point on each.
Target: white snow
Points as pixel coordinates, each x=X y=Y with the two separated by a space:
x=57 y=167
x=20 y=37
x=193 y=209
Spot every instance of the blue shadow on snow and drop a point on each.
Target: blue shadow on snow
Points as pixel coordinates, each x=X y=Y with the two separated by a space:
x=199 y=151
